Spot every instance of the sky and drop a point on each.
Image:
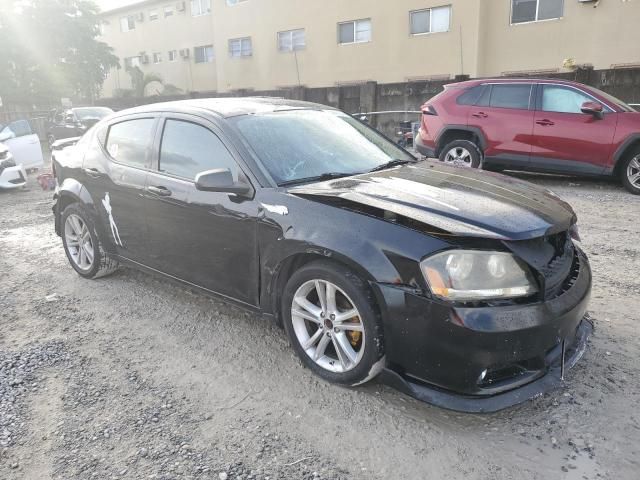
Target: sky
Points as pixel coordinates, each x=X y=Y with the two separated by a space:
x=111 y=4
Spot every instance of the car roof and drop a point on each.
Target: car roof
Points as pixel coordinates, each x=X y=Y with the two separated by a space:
x=230 y=106
x=480 y=81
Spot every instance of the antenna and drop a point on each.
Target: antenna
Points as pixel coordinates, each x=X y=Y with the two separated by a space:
x=461 y=54
x=295 y=55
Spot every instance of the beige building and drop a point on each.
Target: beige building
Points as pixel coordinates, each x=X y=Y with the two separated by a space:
x=226 y=45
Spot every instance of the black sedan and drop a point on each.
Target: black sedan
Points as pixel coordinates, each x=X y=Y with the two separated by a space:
x=463 y=288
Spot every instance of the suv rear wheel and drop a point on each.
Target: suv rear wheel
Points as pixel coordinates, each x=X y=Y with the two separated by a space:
x=461 y=153
x=630 y=172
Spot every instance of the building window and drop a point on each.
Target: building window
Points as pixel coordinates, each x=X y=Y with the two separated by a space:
x=523 y=11
x=203 y=54
x=357 y=31
x=153 y=15
x=168 y=11
x=173 y=55
x=157 y=57
x=200 y=7
x=128 y=23
x=430 y=20
x=291 y=40
x=131 y=62
x=240 y=47
x=231 y=3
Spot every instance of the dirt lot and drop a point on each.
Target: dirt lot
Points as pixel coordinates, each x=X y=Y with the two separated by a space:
x=134 y=377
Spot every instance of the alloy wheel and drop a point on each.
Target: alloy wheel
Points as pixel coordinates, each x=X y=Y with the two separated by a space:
x=328 y=326
x=633 y=171
x=459 y=156
x=78 y=241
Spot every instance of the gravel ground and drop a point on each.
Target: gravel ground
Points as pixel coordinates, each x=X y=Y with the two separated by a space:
x=133 y=377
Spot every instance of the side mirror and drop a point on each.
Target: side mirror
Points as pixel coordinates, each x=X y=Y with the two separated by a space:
x=221 y=180
x=593 y=108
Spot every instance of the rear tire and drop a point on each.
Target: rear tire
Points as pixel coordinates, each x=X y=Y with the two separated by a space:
x=82 y=245
x=461 y=153
x=342 y=349
x=630 y=172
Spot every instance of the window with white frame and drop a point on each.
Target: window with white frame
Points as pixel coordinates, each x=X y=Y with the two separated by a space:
x=173 y=55
x=128 y=23
x=430 y=20
x=153 y=15
x=168 y=11
x=203 y=54
x=240 y=47
x=234 y=2
x=356 y=31
x=157 y=57
x=200 y=7
x=523 y=11
x=291 y=40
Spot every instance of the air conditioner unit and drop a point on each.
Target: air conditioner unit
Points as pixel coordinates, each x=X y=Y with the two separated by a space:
x=144 y=59
x=185 y=53
x=140 y=17
x=181 y=6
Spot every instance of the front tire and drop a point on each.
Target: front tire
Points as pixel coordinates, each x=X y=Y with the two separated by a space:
x=461 y=153
x=82 y=245
x=333 y=324
x=630 y=172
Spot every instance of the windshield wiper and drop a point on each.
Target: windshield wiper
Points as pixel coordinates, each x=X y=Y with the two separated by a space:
x=392 y=163
x=316 y=178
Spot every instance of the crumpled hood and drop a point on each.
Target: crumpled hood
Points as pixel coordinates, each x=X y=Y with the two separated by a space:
x=459 y=201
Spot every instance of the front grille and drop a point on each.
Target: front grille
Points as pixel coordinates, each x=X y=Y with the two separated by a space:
x=553 y=257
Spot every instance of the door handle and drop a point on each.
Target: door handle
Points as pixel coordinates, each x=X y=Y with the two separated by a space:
x=479 y=115
x=545 y=122
x=92 y=172
x=160 y=191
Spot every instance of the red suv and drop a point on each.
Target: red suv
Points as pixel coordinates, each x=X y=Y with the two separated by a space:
x=551 y=126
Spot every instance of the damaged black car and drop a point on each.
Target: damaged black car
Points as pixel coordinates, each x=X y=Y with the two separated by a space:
x=462 y=288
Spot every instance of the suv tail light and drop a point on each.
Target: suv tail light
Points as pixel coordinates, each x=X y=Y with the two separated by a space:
x=429 y=110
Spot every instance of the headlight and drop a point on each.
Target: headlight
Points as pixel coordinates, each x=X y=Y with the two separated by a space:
x=466 y=275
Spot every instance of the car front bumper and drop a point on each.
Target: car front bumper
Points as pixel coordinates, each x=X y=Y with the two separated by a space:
x=487 y=358
x=13 y=177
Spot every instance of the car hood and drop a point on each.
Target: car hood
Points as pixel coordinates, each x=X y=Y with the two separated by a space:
x=457 y=201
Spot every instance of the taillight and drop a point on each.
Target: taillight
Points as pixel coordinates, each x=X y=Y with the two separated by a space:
x=429 y=110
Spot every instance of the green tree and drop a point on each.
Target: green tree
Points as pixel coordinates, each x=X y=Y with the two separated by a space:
x=50 y=49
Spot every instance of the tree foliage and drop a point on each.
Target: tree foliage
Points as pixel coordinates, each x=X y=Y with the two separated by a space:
x=50 y=49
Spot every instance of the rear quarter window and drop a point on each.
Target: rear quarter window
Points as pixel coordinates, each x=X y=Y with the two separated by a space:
x=128 y=142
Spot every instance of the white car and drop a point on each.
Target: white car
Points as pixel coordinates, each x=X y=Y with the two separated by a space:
x=23 y=144
x=11 y=175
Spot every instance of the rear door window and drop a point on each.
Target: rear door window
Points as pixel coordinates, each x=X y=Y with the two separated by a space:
x=189 y=149
x=510 y=95
x=471 y=96
x=128 y=142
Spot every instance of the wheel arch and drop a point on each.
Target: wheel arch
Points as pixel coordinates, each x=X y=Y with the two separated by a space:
x=629 y=144
x=294 y=262
x=460 y=132
x=71 y=191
